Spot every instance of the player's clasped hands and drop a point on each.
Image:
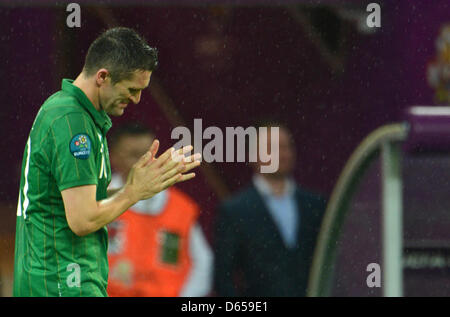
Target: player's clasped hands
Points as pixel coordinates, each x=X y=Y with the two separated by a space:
x=151 y=175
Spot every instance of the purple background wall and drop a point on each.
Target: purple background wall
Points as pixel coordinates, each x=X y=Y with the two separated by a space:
x=228 y=66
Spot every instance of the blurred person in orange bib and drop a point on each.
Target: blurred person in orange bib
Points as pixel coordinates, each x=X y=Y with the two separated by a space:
x=157 y=248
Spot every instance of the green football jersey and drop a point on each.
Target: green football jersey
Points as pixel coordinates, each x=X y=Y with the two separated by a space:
x=66 y=148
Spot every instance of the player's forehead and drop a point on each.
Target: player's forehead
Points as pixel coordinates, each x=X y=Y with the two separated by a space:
x=140 y=79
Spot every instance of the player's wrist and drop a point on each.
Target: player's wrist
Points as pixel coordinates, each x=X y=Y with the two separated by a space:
x=130 y=194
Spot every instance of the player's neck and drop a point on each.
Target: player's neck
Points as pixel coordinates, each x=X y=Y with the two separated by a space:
x=87 y=85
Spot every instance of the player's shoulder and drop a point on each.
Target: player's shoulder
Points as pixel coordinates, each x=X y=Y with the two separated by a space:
x=61 y=103
x=61 y=108
x=58 y=116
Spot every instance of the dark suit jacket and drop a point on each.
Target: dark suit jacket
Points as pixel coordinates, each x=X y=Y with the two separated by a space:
x=248 y=242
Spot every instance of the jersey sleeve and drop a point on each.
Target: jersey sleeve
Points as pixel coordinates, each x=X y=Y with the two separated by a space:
x=74 y=150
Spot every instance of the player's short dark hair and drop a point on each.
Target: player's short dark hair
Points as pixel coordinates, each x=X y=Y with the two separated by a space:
x=121 y=51
x=129 y=129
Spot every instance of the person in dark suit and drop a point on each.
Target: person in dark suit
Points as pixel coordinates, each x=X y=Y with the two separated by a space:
x=266 y=234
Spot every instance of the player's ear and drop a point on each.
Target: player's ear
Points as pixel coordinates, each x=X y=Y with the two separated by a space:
x=101 y=76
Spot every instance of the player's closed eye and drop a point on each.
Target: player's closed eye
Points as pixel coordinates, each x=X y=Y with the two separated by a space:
x=133 y=91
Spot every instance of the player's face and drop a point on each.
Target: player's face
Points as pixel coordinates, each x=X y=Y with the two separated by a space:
x=128 y=150
x=115 y=98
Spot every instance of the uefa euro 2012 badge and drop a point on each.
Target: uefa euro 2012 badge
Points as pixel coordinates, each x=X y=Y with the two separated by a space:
x=80 y=146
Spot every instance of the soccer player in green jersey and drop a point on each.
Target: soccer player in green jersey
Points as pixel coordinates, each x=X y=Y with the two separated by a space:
x=64 y=206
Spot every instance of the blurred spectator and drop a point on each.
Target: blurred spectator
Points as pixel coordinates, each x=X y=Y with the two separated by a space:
x=266 y=234
x=156 y=248
x=438 y=70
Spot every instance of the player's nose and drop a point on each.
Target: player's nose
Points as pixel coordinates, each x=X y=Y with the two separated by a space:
x=136 y=98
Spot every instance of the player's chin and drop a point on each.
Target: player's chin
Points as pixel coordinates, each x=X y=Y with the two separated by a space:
x=117 y=111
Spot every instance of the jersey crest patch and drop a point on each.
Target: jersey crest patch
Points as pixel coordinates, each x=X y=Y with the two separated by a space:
x=80 y=146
